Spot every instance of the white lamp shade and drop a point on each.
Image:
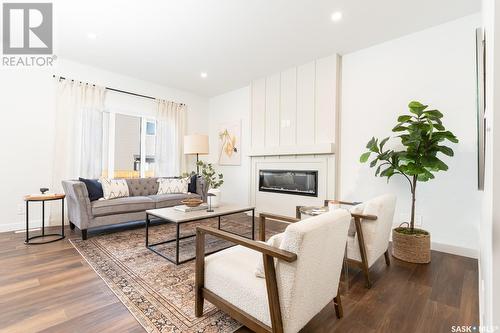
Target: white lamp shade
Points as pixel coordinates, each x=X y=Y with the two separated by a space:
x=196 y=144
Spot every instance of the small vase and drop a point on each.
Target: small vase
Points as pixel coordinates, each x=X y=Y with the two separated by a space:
x=216 y=199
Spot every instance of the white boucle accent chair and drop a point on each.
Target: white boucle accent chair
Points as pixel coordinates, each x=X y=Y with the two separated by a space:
x=301 y=276
x=373 y=220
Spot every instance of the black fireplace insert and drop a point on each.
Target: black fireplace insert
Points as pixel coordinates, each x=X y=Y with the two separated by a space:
x=297 y=182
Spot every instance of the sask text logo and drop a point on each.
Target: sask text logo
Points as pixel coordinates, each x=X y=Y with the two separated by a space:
x=27 y=28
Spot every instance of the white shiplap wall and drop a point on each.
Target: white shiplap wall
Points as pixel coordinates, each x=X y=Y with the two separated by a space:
x=295 y=108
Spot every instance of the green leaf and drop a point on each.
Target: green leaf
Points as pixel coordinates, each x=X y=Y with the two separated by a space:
x=378 y=170
x=404 y=118
x=387 y=172
x=445 y=150
x=382 y=143
x=434 y=114
x=374 y=162
x=399 y=128
x=434 y=163
x=417 y=107
x=364 y=157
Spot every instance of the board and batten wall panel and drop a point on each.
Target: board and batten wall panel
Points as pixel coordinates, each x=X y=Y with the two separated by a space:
x=296 y=108
x=325 y=98
x=306 y=80
x=272 y=111
x=288 y=114
x=258 y=114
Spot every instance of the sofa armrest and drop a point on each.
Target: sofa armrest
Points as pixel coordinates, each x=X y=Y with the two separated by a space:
x=79 y=208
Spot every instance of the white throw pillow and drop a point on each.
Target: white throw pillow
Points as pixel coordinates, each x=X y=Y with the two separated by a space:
x=173 y=185
x=274 y=241
x=114 y=188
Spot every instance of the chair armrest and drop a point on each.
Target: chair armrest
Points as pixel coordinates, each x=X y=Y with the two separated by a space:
x=251 y=244
x=279 y=217
x=364 y=217
x=339 y=202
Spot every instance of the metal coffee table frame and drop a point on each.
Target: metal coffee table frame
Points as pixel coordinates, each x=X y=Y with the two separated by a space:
x=178 y=237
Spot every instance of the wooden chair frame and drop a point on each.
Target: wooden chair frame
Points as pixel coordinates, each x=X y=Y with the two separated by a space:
x=268 y=254
x=363 y=264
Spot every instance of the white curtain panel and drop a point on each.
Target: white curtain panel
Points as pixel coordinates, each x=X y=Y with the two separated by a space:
x=78 y=135
x=170 y=127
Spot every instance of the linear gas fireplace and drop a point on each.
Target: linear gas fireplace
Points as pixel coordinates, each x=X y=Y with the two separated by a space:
x=298 y=182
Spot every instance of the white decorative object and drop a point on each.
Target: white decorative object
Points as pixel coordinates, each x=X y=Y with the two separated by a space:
x=173 y=185
x=114 y=188
x=216 y=199
x=230 y=143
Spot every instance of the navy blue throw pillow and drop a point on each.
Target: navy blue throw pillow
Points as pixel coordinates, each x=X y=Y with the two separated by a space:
x=192 y=184
x=93 y=187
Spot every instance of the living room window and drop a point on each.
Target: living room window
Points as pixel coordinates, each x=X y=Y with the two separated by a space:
x=129 y=146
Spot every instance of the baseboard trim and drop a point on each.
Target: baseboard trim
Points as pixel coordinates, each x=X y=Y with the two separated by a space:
x=22 y=225
x=456 y=250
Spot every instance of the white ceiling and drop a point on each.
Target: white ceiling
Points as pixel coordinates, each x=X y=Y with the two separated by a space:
x=170 y=42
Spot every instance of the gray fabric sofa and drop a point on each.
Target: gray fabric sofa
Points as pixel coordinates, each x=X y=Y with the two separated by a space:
x=85 y=214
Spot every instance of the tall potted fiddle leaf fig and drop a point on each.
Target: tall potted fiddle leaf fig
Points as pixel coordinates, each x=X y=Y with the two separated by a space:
x=423 y=138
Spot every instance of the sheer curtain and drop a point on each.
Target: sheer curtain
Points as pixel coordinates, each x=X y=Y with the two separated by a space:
x=170 y=127
x=78 y=133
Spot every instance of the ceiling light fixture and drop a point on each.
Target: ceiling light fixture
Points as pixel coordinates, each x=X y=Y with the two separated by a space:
x=203 y=75
x=91 y=35
x=337 y=16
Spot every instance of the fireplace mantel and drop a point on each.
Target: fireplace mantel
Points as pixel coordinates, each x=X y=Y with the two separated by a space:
x=315 y=149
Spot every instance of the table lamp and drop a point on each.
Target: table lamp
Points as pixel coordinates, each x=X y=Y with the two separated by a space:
x=196 y=144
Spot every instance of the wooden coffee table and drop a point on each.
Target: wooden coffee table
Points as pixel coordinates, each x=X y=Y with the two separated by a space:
x=172 y=215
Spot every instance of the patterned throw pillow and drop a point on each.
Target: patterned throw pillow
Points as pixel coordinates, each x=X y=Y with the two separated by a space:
x=114 y=188
x=173 y=185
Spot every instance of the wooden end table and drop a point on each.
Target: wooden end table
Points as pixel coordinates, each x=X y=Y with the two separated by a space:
x=43 y=198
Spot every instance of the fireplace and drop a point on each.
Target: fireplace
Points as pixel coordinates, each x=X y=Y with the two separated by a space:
x=297 y=182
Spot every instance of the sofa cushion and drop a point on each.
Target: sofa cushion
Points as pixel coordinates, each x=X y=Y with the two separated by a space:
x=142 y=186
x=94 y=188
x=169 y=200
x=114 y=188
x=121 y=205
x=192 y=183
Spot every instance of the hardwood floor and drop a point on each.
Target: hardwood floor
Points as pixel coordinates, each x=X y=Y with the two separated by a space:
x=50 y=288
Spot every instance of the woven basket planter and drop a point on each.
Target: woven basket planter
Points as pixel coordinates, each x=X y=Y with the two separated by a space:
x=414 y=248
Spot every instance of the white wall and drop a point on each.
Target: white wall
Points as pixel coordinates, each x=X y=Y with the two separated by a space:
x=228 y=107
x=489 y=231
x=437 y=67
x=27 y=104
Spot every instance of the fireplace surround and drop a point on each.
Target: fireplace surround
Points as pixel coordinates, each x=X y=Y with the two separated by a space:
x=295 y=182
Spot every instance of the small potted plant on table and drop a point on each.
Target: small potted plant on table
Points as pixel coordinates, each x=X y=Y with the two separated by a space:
x=212 y=182
x=422 y=135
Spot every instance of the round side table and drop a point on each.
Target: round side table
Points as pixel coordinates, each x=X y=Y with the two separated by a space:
x=43 y=198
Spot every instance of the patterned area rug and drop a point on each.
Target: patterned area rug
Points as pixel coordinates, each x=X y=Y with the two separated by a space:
x=158 y=293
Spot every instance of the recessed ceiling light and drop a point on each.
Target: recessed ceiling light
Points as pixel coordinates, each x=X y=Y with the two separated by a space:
x=337 y=16
x=203 y=75
x=91 y=35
